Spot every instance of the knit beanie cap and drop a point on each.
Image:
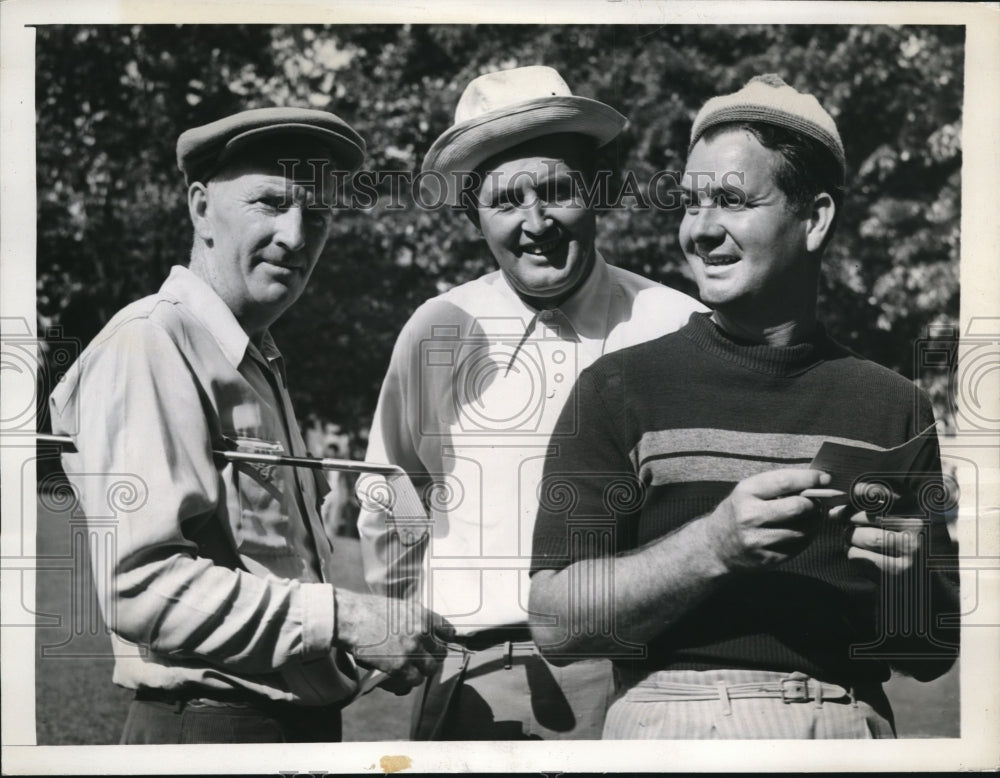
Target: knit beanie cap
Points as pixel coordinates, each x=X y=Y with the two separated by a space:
x=770 y=100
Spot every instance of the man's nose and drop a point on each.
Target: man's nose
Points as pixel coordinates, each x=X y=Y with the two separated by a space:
x=291 y=234
x=704 y=225
x=536 y=221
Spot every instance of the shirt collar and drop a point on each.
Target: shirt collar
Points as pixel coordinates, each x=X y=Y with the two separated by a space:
x=270 y=354
x=209 y=309
x=586 y=311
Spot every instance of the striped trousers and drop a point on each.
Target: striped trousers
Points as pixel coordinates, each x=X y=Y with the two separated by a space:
x=646 y=711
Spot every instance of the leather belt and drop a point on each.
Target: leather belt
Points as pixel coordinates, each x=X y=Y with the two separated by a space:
x=488 y=638
x=796 y=687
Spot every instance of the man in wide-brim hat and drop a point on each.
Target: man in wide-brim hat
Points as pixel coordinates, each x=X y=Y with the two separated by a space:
x=477 y=380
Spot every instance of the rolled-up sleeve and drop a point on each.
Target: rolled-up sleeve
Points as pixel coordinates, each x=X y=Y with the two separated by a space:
x=143 y=419
x=393 y=555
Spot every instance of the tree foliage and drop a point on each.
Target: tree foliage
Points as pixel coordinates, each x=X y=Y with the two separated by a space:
x=112 y=215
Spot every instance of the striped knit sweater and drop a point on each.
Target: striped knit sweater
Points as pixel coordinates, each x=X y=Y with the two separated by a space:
x=667 y=428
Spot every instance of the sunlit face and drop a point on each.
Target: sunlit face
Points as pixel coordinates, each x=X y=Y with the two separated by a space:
x=748 y=252
x=265 y=230
x=534 y=218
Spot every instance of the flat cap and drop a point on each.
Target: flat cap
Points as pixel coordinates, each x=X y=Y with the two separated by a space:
x=770 y=100
x=201 y=151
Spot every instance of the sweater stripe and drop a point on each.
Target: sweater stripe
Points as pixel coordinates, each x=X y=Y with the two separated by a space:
x=775 y=446
x=707 y=454
x=724 y=455
x=688 y=469
x=693 y=414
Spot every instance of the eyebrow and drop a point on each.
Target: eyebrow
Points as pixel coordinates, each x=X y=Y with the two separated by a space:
x=711 y=190
x=498 y=195
x=295 y=193
x=536 y=180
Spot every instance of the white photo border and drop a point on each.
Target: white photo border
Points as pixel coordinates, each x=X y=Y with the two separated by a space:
x=977 y=748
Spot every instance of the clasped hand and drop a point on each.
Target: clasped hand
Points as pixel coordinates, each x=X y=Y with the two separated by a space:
x=397 y=636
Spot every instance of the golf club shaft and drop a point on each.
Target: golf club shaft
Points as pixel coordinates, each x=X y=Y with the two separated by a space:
x=347 y=465
x=373 y=677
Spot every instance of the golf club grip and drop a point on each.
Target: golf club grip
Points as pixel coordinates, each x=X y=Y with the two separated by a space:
x=347 y=465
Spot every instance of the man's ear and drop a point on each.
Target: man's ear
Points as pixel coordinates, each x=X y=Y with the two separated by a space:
x=198 y=209
x=820 y=221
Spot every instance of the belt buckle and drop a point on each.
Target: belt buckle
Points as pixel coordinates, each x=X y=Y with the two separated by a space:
x=794 y=690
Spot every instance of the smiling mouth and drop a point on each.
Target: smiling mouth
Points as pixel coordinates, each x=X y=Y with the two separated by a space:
x=719 y=260
x=282 y=265
x=541 y=249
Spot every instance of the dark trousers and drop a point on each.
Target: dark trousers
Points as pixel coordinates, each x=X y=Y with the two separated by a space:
x=194 y=721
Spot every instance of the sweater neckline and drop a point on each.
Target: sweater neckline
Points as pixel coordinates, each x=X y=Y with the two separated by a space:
x=761 y=357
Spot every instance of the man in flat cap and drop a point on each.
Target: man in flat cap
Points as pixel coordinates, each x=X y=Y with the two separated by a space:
x=476 y=382
x=219 y=581
x=735 y=603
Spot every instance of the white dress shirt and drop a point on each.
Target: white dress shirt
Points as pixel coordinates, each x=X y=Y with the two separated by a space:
x=469 y=406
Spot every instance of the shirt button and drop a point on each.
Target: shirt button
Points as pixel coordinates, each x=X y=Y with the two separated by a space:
x=547 y=314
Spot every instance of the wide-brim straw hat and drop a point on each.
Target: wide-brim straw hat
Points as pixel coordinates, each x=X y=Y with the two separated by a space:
x=500 y=110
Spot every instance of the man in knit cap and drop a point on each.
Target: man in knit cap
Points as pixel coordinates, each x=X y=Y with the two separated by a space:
x=219 y=584
x=476 y=383
x=737 y=599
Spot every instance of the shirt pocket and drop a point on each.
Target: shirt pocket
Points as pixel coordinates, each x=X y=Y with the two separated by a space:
x=263 y=496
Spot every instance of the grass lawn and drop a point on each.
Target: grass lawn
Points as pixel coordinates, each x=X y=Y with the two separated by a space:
x=76 y=703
